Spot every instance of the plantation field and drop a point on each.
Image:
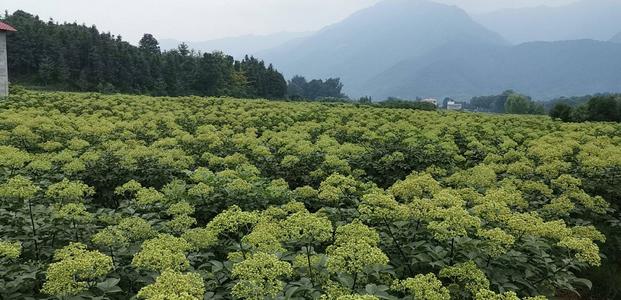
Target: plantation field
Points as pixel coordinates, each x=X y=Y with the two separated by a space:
x=114 y=197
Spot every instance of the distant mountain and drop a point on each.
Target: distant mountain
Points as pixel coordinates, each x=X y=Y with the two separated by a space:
x=238 y=46
x=616 y=38
x=584 y=19
x=375 y=39
x=544 y=70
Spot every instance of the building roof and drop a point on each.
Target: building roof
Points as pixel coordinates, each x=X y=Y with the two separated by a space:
x=6 y=27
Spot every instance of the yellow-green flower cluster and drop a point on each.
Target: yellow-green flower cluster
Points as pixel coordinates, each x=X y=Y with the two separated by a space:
x=260 y=276
x=294 y=207
x=447 y=198
x=305 y=193
x=18 y=188
x=69 y=191
x=180 y=208
x=586 y=251
x=421 y=209
x=559 y=207
x=10 y=250
x=74 y=212
x=181 y=223
x=12 y=157
x=265 y=237
x=356 y=232
x=415 y=186
x=507 y=194
x=202 y=174
x=149 y=196
x=357 y=297
x=588 y=232
x=75 y=267
x=174 y=285
x=182 y=220
x=479 y=177
x=200 y=190
x=200 y=238
x=466 y=275
x=307 y=228
x=485 y=294
x=110 y=237
x=335 y=188
x=452 y=222
x=164 y=252
x=131 y=186
x=355 y=249
x=380 y=207
x=232 y=221
x=423 y=287
x=497 y=241
x=136 y=228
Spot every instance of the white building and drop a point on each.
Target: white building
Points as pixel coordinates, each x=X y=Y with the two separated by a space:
x=4 y=71
x=451 y=105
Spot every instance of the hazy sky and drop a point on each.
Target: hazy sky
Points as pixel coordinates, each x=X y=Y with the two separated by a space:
x=196 y=20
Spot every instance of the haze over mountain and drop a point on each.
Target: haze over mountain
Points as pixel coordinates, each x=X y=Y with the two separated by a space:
x=237 y=46
x=420 y=48
x=584 y=19
x=616 y=38
x=375 y=39
x=544 y=70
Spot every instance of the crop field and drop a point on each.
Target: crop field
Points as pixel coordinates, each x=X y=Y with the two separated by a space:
x=120 y=197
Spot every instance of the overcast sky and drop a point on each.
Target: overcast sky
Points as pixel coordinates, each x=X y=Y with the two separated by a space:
x=197 y=20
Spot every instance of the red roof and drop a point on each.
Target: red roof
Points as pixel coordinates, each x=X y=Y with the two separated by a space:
x=6 y=27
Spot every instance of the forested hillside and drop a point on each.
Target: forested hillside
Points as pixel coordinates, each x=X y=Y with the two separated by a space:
x=77 y=57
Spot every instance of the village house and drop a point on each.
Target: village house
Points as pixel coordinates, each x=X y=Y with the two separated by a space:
x=4 y=71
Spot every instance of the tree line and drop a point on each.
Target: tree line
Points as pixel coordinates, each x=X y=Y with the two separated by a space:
x=316 y=89
x=508 y=102
x=76 y=57
x=596 y=108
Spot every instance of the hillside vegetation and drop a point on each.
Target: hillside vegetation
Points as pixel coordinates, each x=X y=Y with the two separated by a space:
x=111 y=197
x=74 y=57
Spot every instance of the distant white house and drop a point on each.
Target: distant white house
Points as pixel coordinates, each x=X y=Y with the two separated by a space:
x=431 y=100
x=451 y=105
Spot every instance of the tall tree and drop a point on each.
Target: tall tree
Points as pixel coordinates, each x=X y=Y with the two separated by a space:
x=148 y=44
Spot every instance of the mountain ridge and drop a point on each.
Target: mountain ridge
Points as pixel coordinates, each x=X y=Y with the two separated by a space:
x=238 y=46
x=376 y=38
x=585 y=19
x=544 y=70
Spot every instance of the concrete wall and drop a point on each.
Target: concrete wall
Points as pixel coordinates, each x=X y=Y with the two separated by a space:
x=4 y=73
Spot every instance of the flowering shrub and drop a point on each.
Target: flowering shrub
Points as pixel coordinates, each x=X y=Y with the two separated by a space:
x=196 y=198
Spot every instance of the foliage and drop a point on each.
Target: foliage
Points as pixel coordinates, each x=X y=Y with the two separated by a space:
x=518 y=104
x=598 y=108
x=74 y=57
x=508 y=102
x=299 y=88
x=174 y=285
x=400 y=103
x=118 y=197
